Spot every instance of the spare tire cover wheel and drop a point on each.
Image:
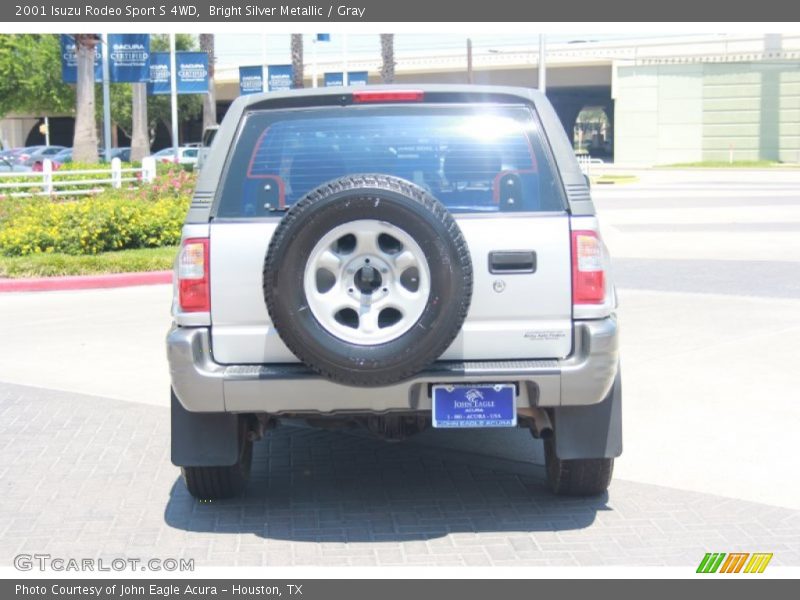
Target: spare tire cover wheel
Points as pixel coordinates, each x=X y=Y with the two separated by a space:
x=368 y=279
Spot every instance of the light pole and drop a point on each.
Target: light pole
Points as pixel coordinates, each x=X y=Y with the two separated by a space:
x=173 y=90
x=542 y=65
x=469 y=60
x=106 y=100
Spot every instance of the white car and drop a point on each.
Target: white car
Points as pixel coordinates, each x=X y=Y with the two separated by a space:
x=187 y=155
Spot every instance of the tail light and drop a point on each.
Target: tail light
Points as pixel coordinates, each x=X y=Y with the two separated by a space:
x=193 y=281
x=362 y=96
x=588 y=275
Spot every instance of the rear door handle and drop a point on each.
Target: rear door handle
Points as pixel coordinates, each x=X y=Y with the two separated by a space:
x=512 y=261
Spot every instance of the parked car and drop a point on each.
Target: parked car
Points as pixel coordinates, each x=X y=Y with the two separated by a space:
x=397 y=259
x=34 y=154
x=8 y=164
x=11 y=153
x=65 y=156
x=208 y=137
x=123 y=153
x=20 y=155
x=187 y=155
x=58 y=159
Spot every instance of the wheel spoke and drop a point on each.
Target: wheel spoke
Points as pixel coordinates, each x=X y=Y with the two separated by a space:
x=367 y=242
x=368 y=321
x=404 y=260
x=328 y=260
x=335 y=300
x=357 y=291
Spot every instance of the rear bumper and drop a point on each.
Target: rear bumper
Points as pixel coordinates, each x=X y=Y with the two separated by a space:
x=203 y=385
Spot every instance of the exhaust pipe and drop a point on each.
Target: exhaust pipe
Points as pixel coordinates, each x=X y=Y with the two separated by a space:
x=541 y=426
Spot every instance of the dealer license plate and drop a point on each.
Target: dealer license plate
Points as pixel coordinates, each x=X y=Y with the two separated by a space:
x=485 y=405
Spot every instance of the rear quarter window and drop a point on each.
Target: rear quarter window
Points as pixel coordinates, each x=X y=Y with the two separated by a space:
x=471 y=158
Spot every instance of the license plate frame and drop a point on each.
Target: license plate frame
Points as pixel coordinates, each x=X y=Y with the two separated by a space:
x=474 y=406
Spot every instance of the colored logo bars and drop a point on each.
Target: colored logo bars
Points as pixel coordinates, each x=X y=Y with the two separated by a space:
x=735 y=562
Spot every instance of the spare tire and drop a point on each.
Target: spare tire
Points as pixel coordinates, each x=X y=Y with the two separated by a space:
x=368 y=279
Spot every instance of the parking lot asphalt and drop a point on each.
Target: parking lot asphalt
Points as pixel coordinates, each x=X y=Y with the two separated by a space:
x=89 y=477
x=707 y=279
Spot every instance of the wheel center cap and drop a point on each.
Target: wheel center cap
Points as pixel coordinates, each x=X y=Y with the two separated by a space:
x=367 y=279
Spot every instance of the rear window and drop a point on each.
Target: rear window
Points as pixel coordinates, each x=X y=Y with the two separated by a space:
x=473 y=159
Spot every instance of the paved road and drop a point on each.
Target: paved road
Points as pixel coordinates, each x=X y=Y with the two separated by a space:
x=709 y=305
x=709 y=277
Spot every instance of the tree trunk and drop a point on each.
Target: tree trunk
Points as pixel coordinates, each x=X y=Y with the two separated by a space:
x=140 y=137
x=387 y=57
x=297 y=60
x=209 y=99
x=84 y=144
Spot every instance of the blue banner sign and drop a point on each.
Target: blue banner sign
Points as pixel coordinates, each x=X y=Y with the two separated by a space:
x=353 y=78
x=129 y=57
x=159 y=73
x=357 y=78
x=192 y=70
x=251 y=80
x=334 y=79
x=69 y=61
x=279 y=77
x=323 y=37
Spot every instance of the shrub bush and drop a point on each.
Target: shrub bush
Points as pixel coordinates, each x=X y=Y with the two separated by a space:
x=145 y=217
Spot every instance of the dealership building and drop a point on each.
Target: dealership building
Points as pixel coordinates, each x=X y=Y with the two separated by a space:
x=665 y=99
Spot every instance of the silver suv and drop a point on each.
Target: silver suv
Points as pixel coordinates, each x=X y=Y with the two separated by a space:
x=397 y=259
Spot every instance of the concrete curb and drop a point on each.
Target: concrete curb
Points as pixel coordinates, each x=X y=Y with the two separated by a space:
x=85 y=282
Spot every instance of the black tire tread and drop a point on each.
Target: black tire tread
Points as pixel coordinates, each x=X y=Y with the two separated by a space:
x=217 y=483
x=355 y=183
x=577 y=477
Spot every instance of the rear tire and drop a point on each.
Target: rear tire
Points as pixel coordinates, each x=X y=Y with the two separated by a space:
x=216 y=483
x=576 y=477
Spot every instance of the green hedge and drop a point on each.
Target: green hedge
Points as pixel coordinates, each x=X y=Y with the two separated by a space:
x=146 y=217
x=53 y=264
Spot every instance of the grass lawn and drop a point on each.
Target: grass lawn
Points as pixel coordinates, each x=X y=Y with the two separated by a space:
x=724 y=164
x=122 y=261
x=605 y=179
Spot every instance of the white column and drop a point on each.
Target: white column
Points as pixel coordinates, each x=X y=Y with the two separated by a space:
x=542 y=65
x=47 y=175
x=264 y=86
x=116 y=173
x=345 y=78
x=314 y=73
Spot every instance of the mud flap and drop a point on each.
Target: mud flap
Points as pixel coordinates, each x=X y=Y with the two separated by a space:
x=593 y=431
x=203 y=439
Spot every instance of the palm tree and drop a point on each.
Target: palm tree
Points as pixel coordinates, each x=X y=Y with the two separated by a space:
x=209 y=99
x=387 y=57
x=297 y=60
x=84 y=143
x=140 y=136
